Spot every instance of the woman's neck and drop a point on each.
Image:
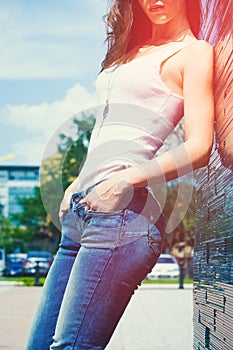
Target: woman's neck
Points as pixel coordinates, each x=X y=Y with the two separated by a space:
x=180 y=36
x=176 y=29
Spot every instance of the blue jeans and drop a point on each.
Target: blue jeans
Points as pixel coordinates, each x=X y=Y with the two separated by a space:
x=91 y=282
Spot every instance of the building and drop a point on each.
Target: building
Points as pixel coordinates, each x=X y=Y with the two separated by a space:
x=213 y=253
x=16 y=181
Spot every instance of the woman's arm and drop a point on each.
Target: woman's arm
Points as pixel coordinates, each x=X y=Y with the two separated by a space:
x=188 y=156
x=198 y=123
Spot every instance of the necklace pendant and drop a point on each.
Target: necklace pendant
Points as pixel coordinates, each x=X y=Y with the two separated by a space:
x=106 y=110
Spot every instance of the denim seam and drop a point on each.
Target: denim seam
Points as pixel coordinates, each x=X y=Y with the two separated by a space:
x=120 y=237
x=124 y=235
x=104 y=213
x=93 y=292
x=156 y=250
x=75 y=219
x=151 y=241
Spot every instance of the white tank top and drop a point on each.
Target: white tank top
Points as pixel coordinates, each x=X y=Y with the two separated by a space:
x=142 y=112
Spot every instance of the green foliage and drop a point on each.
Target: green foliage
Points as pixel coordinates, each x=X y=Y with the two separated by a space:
x=24 y=281
x=33 y=215
x=167 y=281
x=1 y=209
x=184 y=231
x=33 y=224
x=6 y=234
x=38 y=222
x=75 y=150
x=187 y=214
x=61 y=169
x=13 y=237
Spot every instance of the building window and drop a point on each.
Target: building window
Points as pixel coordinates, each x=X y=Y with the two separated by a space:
x=23 y=175
x=18 y=192
x=3 y=176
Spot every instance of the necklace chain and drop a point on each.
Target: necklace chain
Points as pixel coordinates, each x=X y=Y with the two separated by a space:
x=110 y=81
x=109 y=90
x=108 y=95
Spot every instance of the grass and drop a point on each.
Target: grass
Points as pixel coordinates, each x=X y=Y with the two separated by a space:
x=30 y=281
x=167 y=281
x=27 y=281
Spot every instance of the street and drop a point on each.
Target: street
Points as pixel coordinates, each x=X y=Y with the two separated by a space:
x=159 y=317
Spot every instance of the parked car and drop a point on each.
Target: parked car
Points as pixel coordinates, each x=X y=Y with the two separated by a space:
x=2 y=262
x=166 y=267
x=15 y=264
x=42 y=259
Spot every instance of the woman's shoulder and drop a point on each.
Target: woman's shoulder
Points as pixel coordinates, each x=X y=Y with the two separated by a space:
x=198 y=53
x=199 y=48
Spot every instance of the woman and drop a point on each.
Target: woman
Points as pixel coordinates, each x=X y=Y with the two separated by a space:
x=155 y=71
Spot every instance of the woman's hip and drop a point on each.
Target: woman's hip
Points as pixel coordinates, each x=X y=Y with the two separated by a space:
x=141 y=217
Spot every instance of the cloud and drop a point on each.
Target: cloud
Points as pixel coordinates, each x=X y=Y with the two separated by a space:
x=43 y=120
x=45 y=117
x=50 y=41
x=28 y=151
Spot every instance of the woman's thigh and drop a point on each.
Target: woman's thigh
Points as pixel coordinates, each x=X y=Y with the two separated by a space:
x=101 y=284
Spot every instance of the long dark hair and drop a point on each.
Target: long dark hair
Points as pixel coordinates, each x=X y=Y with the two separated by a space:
x=128 y=27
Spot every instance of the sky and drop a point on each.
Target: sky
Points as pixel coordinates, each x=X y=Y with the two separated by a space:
x=51 y=53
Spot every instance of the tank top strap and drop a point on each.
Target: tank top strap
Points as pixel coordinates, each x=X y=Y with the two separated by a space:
x=171 y=49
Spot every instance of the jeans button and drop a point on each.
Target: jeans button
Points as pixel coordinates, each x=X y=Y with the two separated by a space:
x=76 y=200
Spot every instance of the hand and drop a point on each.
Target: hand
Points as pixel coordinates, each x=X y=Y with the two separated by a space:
x=109 y=195
x=65 y=203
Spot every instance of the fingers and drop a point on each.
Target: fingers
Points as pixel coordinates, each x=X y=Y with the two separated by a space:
x=63 y=210
x=83 y=201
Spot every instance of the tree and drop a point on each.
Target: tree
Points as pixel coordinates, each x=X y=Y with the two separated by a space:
x=75 y=150
x=6 y=234
x=33 y=224
x=59 y=170
x=38 y=222
x=184 y=230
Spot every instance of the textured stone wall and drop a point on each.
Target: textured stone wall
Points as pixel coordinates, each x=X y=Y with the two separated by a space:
x=213 y=257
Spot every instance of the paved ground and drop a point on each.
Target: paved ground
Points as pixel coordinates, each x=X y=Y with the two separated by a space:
x=159 y=317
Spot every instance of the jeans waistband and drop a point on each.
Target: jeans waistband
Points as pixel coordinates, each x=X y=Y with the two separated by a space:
x=139 y=196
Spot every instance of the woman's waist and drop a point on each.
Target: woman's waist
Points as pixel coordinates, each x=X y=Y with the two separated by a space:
x=141 y=200
x=99 y=166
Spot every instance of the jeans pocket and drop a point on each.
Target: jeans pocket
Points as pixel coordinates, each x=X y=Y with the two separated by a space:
x=108 y=219
x=134 y=225
x=70 y=225
x=101 y=229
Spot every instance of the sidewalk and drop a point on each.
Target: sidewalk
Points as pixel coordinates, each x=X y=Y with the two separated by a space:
x=159 y=317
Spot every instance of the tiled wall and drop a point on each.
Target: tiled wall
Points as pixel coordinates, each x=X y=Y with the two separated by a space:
x=213 y=258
